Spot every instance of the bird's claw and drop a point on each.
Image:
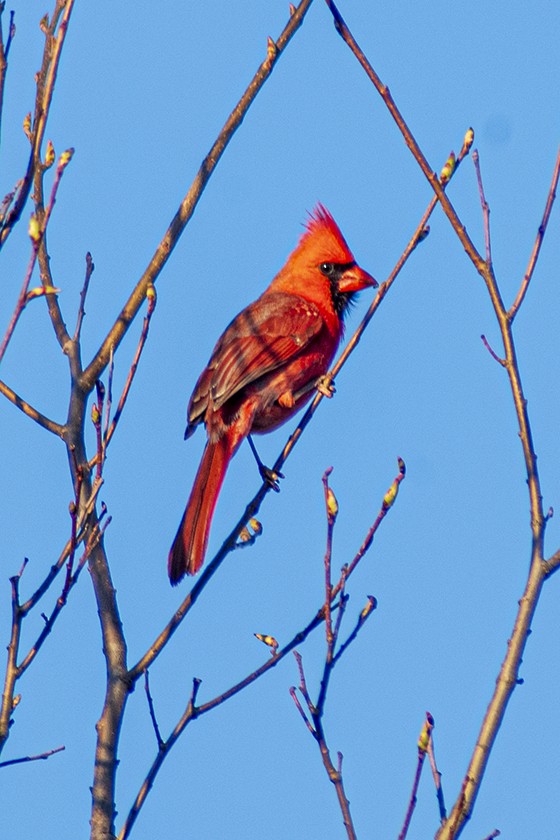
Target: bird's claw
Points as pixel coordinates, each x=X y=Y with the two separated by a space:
x=271 y=477
x=325 y=386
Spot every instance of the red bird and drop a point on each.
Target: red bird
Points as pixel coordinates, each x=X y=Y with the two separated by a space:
x=265 y=367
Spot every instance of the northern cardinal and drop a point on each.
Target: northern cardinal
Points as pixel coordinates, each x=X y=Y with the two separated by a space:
x=265 y=367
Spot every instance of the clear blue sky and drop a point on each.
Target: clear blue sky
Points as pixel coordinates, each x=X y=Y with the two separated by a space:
x=142 y=93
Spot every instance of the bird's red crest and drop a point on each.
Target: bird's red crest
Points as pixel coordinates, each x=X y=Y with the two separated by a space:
x=323 y=233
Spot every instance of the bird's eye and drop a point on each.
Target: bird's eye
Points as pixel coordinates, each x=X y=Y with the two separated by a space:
x=327 y=269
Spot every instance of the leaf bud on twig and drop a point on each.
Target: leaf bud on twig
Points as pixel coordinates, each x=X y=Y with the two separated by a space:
x=270 y=641
x=49 y=155
x=332 y=505
x=65 y=159
x=426 y=733
x=467 y=142
x=271 y=49
x=34 y=229
x=40 y=291
x=369 y=608
x=448 y=169
x=27 y=126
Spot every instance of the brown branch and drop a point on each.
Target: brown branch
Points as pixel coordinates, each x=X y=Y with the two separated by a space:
x=9 y=701
x=485 y=208
x=4 y=52
x=37 y=233
x=423 y=743
x=55 y=34
x=193 y=712
x=25 y=759
x=508 y=674
x=90 y=268
x=552 y=564
x=538 y=241
x=120 y=681
x=109 y=429
x=153 y=718
x=81 y=519
x=494 y=355
x=33 y=413
x=410 y=140
x=69 y=583
x=191 y=199
x=437 y=779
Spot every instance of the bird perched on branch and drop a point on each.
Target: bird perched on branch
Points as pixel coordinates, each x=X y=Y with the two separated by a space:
x=265 y=367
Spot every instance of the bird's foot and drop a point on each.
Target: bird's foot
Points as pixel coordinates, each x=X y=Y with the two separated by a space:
x=325 y=386
x=271 y=477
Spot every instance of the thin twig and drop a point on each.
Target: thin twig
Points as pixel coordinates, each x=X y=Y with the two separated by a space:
x=110 y=430
x=272 y=662
x=37 y=231
x=25 y=759
x=437 y=780
x=90 y=268
x=494 y=355
x=55 y=35
x=485 y=208
x=507 y=678
x=153 y=718
x=31 y=412
x=423 y=742
x=538 y=241
x=191 y=199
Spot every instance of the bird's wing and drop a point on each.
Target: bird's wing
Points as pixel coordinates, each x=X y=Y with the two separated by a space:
x=262 y=338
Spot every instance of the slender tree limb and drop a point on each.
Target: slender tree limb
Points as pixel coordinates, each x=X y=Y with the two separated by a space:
x=25 y=759
x=508 y=674
x=485 y=208
x=423 y=744
x=4 y=52
x=31 y=412
x=90 y=268
x=552 y=564
x=55 y=34
x=409 y=139
x=119 y=681
x=110 y=428
x=254 y=505
x=514 y=309
x=191 y=199
x=37 y=233
x=437 y=779
x=193 y=711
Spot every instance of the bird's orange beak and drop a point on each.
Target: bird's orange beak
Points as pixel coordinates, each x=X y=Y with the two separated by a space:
x=354 y=279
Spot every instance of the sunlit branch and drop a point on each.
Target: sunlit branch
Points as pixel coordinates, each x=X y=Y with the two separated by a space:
x=485 y=208
x=191 y=199
x=538 y=241
x=55 y=34
x=40 y=757
x=254 y=505
x=192 y=711
x=41 y=419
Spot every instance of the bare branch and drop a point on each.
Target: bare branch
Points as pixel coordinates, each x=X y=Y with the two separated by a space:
x=191 y=199
x=25 y=759
x=485 y=208
x=90 y=268
x=55 y=35
x=538 y=241
x=423 y=743
x=31 y=412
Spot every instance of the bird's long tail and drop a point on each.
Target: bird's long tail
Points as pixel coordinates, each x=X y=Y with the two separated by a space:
x=189 y=546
